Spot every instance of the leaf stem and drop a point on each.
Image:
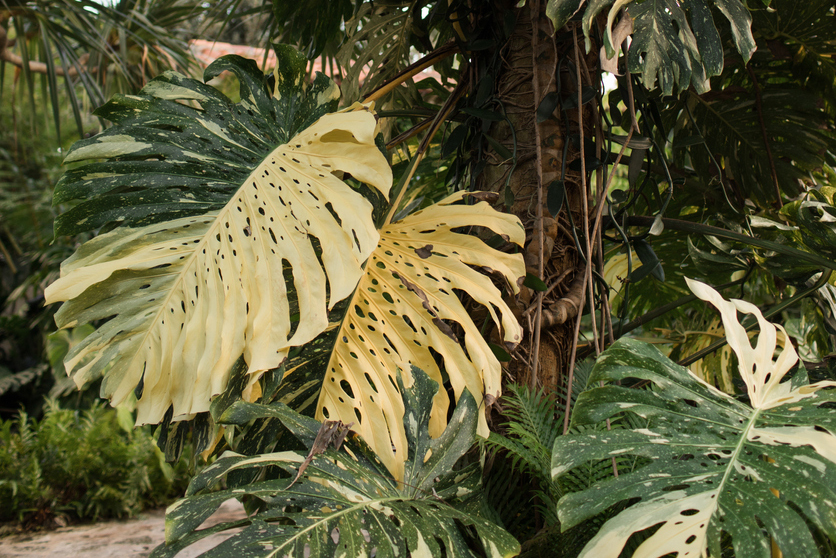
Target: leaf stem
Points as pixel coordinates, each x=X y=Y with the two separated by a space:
x=764 y=135
x=440 y=117
x=535 y=359
x=437 y=55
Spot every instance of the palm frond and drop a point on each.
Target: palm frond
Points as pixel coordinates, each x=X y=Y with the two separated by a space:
x=97 y=47
x=376 y=46
x=803 y=34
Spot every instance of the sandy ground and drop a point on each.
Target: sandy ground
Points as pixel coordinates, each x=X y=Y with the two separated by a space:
x=134 y=538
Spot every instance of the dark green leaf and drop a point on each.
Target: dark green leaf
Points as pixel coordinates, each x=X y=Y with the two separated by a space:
x=587 y=94
x=619 y=196
x=649 y=259
x=454 y=140
x=555 y=197
x=480 y=44
x=241 y=412
x=535 y=283
x=635 y=166
x=485 y=89
x=561 y=11
x=687 y=141
x=501 y=354
x=547 y=106
x=501 y=150
x=484 y=114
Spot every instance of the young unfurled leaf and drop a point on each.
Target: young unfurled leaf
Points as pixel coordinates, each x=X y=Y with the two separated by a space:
x=217 y=201
x=713 y=464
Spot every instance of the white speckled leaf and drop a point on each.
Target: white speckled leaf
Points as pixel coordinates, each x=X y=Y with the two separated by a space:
x=713 y=464
x=346 y=503
x=185 y=296
x=404 y=307
x=675 y=43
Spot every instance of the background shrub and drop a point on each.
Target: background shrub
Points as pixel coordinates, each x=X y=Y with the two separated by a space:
x=88 y=464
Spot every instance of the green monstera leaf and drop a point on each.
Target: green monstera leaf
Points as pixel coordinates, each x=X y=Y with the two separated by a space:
x=709 y=464
x=226 y=229
x=345 y=502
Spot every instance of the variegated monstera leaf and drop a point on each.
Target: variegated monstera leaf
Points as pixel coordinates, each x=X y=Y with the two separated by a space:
x=344 y=502
x=673 y=44
x=407 y=312
x=708 y=463
x=225 y=230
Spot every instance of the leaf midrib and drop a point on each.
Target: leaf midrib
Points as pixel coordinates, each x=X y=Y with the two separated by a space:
x=326 y=519
x=744 y=437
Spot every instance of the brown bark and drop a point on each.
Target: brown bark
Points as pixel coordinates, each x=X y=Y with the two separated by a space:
x=561 y=267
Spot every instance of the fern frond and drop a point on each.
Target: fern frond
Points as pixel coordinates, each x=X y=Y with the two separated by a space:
x=527 y=458
x=534 y=415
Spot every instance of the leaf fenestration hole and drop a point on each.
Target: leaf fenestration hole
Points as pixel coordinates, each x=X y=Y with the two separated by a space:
x=346 y=387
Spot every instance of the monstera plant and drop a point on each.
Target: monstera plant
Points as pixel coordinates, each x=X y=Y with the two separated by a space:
x=709 y=465
x=247 y=229
x=347 y=503
x=246 y=275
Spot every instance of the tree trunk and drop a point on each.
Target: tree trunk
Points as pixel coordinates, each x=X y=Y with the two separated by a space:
x=538 y=64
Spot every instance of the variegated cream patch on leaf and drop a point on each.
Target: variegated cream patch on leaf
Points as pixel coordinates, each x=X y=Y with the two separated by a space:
x=759 y=472
x=761 y=372
x=240 y=247
x=406 y=309
x=673 y=44
x=345 y=502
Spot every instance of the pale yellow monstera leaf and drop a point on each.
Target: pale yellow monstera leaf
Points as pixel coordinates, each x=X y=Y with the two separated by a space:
x=406 y=312
x=237 y=232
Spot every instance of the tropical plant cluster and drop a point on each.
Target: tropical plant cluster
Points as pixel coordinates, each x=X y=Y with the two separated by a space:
x=90 y=464
x=397 y=311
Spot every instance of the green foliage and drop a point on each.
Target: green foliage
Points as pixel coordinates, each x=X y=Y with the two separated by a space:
x=97 y=47
x=675 y=44
x=83 y=465
x=776 y=95
x=802 y=34
x=29 y=167
x=377 y=38
x=710 y=162
x=712 y=462
x=535 y=422
x=346 y=501
x=707 y=162
x=314 y=33
x=809 y=224
x=533 y=425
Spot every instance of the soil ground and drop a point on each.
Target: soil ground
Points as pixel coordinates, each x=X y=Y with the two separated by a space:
x=133 y=538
